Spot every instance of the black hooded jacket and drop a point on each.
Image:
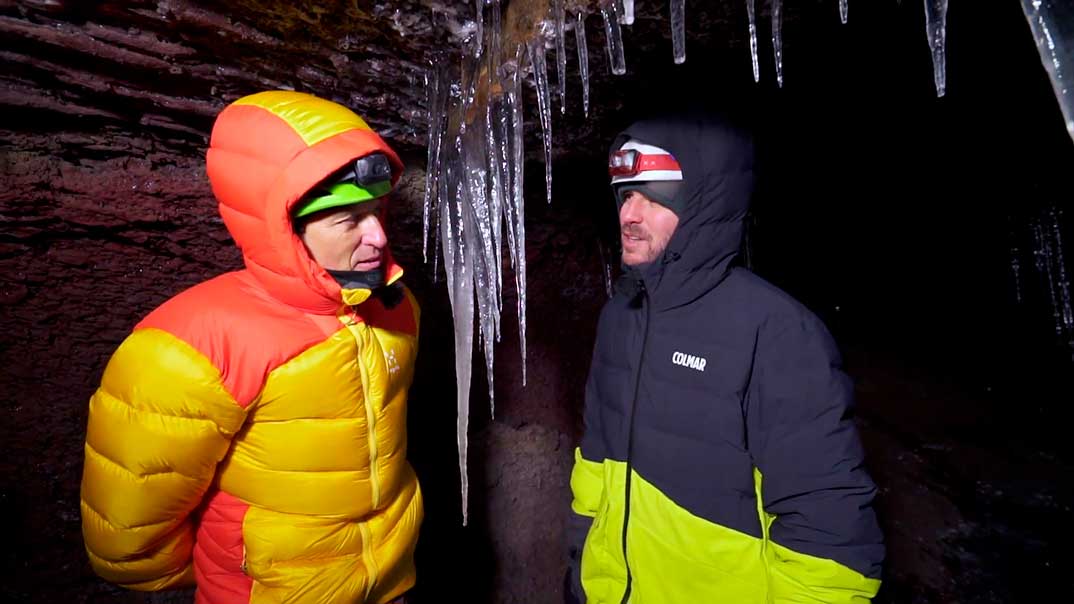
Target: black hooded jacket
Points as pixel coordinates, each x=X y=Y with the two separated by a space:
x=703 y=373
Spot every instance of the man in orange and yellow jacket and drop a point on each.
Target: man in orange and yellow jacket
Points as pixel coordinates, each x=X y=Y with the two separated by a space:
x=249 y=435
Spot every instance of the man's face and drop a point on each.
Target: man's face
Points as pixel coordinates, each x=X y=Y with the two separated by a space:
x=645 y=227
x=347 y=238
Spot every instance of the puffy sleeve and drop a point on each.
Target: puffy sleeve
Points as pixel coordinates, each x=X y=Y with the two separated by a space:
x=158 y=425
x=826 y=545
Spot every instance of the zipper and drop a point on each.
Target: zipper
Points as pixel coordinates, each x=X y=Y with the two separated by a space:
x=630 y=442
x=368 y=560
x=370 y=416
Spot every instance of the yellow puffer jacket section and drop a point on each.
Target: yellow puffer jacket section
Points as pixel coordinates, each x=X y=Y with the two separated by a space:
x=334 y=505
x=158 y=425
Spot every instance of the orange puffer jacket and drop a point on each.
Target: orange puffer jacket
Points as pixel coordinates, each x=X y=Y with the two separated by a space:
x=250 y=432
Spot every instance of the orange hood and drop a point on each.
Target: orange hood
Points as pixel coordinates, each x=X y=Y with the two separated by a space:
x=267 y=150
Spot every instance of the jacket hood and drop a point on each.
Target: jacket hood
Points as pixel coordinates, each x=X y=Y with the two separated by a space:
x=267 y=150
x=717 y=162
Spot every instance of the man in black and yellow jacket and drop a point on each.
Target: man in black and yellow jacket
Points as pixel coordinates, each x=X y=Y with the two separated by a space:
x=719 y=461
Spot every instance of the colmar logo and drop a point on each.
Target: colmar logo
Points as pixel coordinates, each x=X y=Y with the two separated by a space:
x=689 y=360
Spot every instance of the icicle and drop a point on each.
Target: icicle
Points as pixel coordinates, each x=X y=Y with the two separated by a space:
x=511 y=129
x=500 y=193
x=514 y=98
x=753 y=40
x=495 y=41
x=494 y=145
x=436 y=87
x=1053 y=31
x=1066 y=314
x=614 y=36
x=445 y=188
x=479 y=35
x=430 y=104
x=540 y=79
x=583 y=59
x=561 y=54
x=606 y=269
x=628 y=13
x=461 y=245
x=678 y=30
x=1016 y=265
x=478 y=226
x=458 y=263
x=777 y=38
x=1045 y=261
x=936 y=27
x=843 y=11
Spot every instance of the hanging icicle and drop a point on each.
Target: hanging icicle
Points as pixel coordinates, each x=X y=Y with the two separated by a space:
x=1016 y=261
x=1052 y=24
x=777 y=39
x=514 y=209
x=1065 y=313
x=583 y=59
x=1050 y=262
x=678 y=30
x=936 y=28
x=518 y=206
x=474 y=186
x=627 y=18
x=614 y=35
x=458 y=265
x=606 y=269
x=561 y=53
x=751 y=13
x=540 y=79
x=843 y=11
x=480 y=21
x=437 y=88
x=494 y=167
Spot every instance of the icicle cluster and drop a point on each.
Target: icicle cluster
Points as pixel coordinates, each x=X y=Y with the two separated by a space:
x=936 y=31
x=474 y=191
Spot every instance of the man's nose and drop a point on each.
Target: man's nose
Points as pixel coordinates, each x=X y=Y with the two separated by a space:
x=374 y=234
x=629 y=213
